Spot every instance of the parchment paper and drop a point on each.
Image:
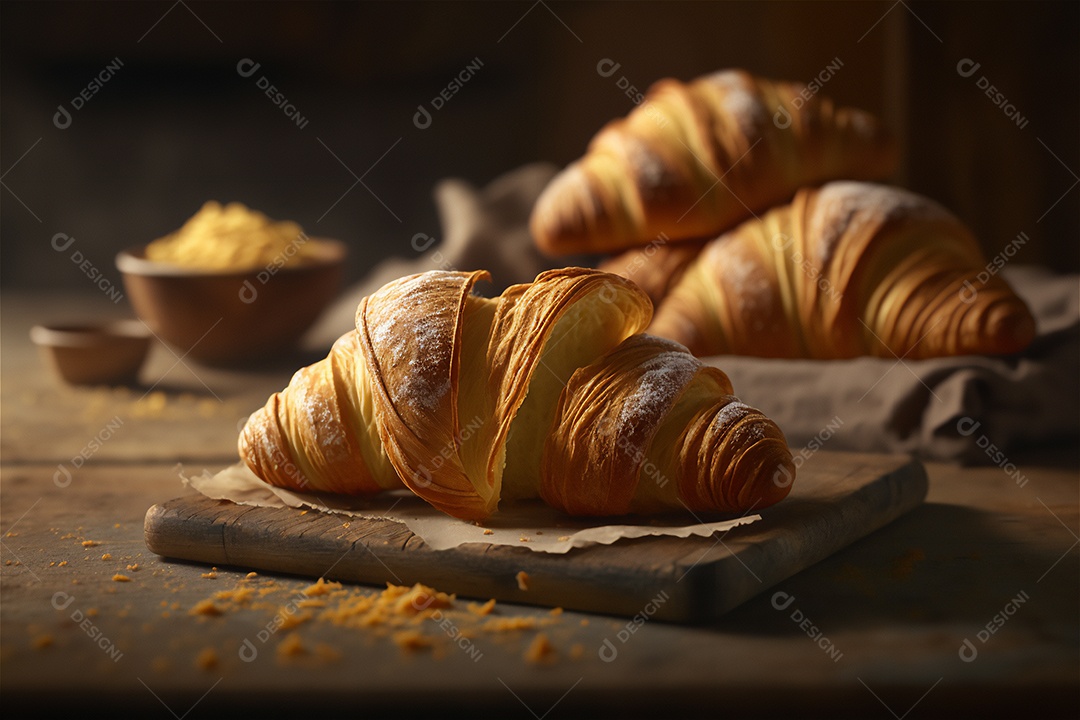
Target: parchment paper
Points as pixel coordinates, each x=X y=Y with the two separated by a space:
x=531 y=525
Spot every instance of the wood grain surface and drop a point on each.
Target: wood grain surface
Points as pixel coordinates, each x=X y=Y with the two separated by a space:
x=837 y=499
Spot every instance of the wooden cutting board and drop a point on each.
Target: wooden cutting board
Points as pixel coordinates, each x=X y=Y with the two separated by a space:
x=837 y=499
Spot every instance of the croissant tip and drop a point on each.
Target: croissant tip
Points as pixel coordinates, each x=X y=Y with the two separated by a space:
x=1010 y=330
x=780 y=482
x=769 y=472
x=566 y=218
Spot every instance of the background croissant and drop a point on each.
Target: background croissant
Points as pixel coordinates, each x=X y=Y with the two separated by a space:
x=694 y=159
x=547 y=391
x=844 y=270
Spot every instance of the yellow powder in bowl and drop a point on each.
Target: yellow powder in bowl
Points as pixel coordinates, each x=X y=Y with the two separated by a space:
x=233 y=237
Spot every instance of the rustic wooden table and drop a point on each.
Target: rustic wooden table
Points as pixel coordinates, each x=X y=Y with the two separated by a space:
x=967 y=605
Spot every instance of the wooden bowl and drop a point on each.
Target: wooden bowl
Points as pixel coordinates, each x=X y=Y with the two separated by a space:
x=109 y=353
x=231 y=318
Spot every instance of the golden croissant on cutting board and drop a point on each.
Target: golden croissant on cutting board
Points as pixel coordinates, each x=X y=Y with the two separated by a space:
x=694 y=159
x=549 y=390
x=844 y=270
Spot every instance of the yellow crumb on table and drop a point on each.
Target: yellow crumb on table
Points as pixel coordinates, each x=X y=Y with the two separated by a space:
x=556 y=611
x=120 y=578
x=240 y=595
x=251 y=574
x=107 y=556
x=291 y=646
x=42 y=641
x=411 y=640
x=92 y=612
x=489 y=532
x=290 y=621
x=206 y=607
x=417 y=598
x=207 y=659
x=401 y=614
x=584 y=622
x=209 y=575
x=321 y=587
x=509 y=624
x=540 y=649
x=11 y=533
x=563 y=538
x=133 y=567
x=485 y=609
x=62 y=563
x=522 y=580
x=90 y=543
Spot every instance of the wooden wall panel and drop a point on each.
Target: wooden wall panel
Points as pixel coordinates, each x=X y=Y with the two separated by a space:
x=178 y=126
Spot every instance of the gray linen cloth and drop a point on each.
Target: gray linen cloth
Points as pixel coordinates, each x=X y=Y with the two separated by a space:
x=972 y=408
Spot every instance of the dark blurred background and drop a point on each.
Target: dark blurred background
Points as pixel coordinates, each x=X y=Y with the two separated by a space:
x=176 y=124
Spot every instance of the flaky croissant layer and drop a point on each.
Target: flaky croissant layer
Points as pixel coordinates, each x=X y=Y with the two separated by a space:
x=844 y=270
x=549 y=391
x=694 y=159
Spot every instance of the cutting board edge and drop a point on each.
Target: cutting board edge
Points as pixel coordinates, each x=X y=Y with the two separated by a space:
x=700 y=599
x=910 y=479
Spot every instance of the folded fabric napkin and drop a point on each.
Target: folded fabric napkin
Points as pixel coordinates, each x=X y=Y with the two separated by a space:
x=970 y=408
x=977 y=409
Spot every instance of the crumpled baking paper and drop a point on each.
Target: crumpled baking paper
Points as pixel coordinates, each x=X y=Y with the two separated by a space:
x=531 y=525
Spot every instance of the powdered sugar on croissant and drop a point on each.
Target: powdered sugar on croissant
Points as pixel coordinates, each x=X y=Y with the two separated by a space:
x=694 y=159
x=844 y=270
x=547 y=391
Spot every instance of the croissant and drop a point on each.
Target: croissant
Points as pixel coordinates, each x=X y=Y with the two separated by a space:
x=694 y=159
x=844 y=270
x=655 y=268
x=549 y=391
